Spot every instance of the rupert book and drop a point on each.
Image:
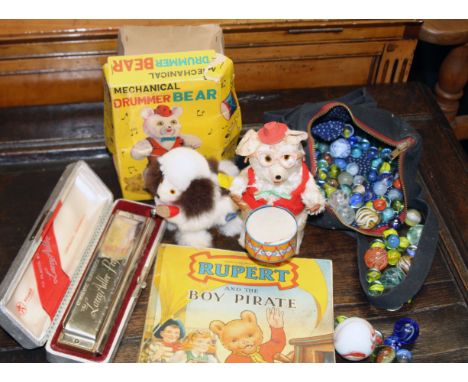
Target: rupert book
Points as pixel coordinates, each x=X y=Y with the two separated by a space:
x=212 y=305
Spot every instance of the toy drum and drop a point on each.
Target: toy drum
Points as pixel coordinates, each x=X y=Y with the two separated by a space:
x=270 y=234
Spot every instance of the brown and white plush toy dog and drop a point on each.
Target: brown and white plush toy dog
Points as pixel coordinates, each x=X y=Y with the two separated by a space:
x=187 y=194
x=277 y=175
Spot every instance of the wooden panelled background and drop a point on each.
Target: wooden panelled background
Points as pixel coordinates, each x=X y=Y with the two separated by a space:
x=59 y=61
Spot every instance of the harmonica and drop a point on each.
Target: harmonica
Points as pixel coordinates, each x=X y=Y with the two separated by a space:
x=94 y=307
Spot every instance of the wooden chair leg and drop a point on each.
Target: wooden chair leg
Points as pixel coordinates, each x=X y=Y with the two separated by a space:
x=453 y=76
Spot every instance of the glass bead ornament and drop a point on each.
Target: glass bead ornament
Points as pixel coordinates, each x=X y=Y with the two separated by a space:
x=354 y=339
x=404 y=356
x=413 y=217
x=376 y=258
x=414 y=234
x=407 y=330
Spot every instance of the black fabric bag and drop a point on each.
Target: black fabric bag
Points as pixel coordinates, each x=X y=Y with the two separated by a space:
x=406 y=143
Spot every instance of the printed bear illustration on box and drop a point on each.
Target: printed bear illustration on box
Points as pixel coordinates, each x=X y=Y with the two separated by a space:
x=244 y=337
x=163 y=129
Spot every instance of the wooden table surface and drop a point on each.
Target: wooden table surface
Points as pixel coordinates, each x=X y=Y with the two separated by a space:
x=37 y=143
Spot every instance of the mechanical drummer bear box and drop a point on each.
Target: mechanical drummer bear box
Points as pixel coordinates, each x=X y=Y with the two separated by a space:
x=159 y=101
x=212 y=305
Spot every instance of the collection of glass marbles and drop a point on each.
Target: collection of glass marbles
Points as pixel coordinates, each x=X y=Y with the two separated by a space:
x=405 y=332
x=389 y=259
x=347 y=162
x=355 y=339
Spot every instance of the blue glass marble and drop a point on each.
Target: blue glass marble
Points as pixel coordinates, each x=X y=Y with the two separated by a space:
x=356 y=200
x=394 y=194
x=404 y=356
x=354 y=139
x=387 y=214
x=341 y=163
x=379 y=188
x=393 y=341
x=372 y=175
x=411 y=250
x=385 y=153
x=386 y=179
x=340 y=148
x=395 y=223
x=376 y=163
x=392 y=241
x=373 y=152
x=368 y=195
x=322 y=147
x=365 y=144
x=352 y=168
x=407 y=330
x=356 y=152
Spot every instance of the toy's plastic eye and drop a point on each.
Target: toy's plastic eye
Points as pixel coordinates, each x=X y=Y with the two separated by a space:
x=288 y=160
x=172 y=191
x=268 y=159
x=160 y=123
x=174 y=122
x=286 y=157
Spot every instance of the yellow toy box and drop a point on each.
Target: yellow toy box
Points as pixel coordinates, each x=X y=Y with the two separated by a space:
x=156 y=102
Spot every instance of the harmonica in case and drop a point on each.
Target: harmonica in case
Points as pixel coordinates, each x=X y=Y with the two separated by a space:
x=77 y=277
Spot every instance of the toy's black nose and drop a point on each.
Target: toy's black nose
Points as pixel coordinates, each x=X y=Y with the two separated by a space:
x=278 y=177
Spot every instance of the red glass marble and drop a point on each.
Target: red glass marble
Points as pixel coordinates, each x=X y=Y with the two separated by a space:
x=376 y=258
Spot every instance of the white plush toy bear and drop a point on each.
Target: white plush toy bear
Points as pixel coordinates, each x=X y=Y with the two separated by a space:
x=162 y=126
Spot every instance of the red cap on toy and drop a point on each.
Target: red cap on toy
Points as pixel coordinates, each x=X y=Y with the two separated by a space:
x=163 y=110
x=272 y=132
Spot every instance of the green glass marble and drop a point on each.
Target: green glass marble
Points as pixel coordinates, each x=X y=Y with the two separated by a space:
x=322 y=173
x=345 y=178
x=391 y=277
x=414 y=234
x=377 y=243
x=322 y=163
x=404 y=243
x=328 y=189
x=346 y=189
x=390 y=231
x=398 y=205
x=373 y=275
x=393 y=256
x=333 y=171
x=376 y=288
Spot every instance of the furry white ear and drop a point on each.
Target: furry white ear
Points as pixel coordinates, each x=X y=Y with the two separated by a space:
x=294 y=137
x=177 y=111
x=248 y=144
x=146 y=112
